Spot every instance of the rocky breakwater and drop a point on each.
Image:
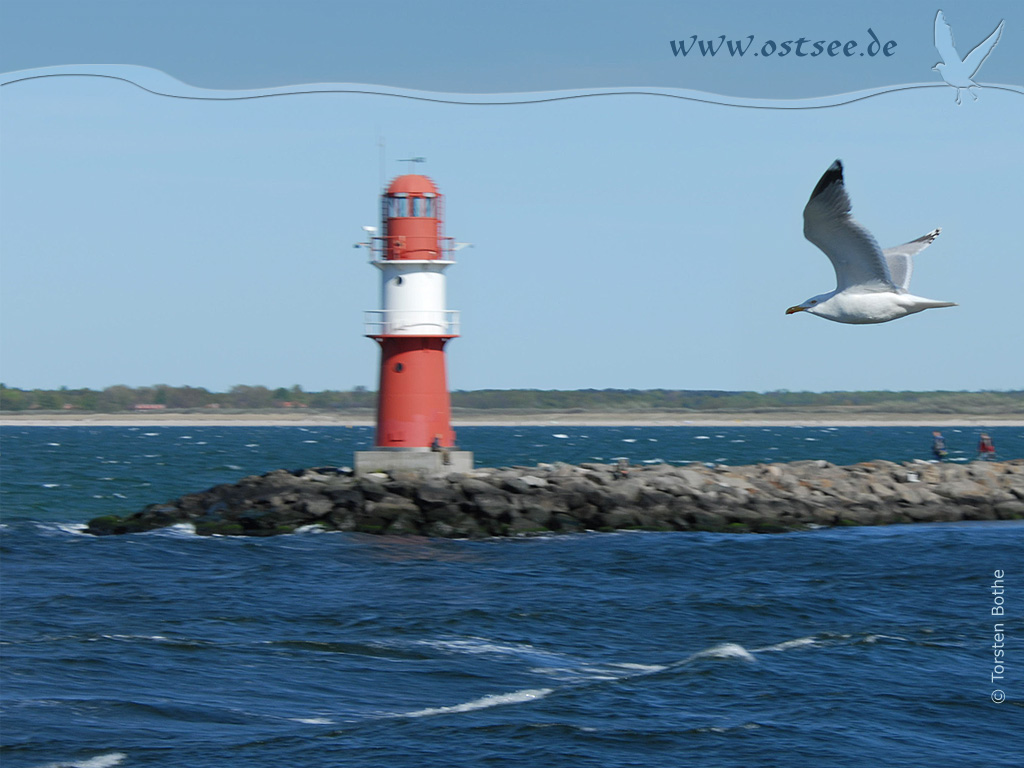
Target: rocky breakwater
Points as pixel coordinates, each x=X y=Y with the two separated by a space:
x=563 y=498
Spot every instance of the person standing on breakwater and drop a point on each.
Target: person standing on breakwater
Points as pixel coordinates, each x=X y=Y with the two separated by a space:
x=939 y=446
x=986 y=449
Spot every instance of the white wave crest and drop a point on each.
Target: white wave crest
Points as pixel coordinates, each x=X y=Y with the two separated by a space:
x=100 y=761
x=482 y=645
x=497 y=700
x=176 y=531
x=800 y=642
x=725 y=651
x=872 y=639
x=617 y=671
x=478 y=645
x=644 y=669
x=75 y=529
x=312 y=528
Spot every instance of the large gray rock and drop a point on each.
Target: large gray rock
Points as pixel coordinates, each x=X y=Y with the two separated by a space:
x=493 y=505
x=434 y=493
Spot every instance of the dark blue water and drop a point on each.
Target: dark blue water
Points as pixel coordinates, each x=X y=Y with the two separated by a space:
x=824 y=648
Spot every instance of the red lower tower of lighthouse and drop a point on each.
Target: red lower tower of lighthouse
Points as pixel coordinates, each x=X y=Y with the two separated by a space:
x=412 y=327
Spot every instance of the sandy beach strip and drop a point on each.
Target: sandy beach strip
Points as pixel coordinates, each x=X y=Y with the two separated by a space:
x=505 y=419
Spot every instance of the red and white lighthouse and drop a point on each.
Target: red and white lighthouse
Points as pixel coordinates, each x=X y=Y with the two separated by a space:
x=413 y=325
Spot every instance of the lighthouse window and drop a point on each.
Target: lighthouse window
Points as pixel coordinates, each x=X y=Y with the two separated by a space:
x=417 y=206
x=398 y=280
x=398 y=367
x=428 y=208
x=398 y=207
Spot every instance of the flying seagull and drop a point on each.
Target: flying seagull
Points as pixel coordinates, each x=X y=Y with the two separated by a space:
x=958 y=72
x=871 y=284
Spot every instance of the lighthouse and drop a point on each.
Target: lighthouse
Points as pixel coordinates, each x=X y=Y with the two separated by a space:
x=412 y=327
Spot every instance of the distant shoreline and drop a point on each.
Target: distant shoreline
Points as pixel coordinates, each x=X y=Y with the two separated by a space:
x=294 y=418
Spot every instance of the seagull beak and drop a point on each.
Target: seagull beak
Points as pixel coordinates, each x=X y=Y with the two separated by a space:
x=791 y=310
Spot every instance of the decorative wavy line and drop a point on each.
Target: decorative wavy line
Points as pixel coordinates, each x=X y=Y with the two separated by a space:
x=176 y=89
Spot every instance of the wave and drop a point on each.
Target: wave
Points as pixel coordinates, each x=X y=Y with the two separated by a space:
x=481 y=645
x=575 y=674
x=486 y=702
x=176 y=531
x=800 y=642
x=872 y=639
x=134 y=638
x=74 y=529
x=560 y=663
x=312 y=528
x=100 y=761
x=723 y=651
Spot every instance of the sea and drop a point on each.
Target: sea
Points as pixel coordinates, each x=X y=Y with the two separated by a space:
x=899 y=645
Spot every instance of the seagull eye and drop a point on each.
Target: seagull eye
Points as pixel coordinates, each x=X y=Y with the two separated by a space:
x=813 y=303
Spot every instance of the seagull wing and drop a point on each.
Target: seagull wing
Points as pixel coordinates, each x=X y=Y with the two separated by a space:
x=900 y=258
x=944 y=40
x=974 y=59
x=853 y=251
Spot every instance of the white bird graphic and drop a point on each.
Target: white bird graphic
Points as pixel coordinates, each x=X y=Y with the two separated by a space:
x=871 y=284
x=957 y=72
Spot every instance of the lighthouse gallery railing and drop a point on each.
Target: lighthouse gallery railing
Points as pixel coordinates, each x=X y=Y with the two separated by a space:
x=411 y=322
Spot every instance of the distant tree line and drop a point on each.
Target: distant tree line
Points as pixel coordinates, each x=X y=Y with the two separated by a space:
x=121 y=398
x=682 y=400
x=250 y=398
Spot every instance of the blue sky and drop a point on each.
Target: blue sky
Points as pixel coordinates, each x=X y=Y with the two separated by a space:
x=624 y=241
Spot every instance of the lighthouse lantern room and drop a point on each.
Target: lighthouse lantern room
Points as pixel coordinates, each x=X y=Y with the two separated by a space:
x=412 y=327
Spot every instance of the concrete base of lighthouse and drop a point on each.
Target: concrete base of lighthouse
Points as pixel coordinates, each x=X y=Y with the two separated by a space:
x=421 y=459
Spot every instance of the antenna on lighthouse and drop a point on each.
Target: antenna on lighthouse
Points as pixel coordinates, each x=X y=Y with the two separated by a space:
x=413 y=160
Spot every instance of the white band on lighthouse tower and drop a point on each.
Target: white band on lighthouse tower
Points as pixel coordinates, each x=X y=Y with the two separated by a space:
x=413 y=299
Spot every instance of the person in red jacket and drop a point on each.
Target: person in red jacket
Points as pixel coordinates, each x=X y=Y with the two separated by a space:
x=986 y=450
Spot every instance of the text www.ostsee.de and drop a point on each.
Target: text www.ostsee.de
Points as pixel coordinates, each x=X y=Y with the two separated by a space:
x=800 y=48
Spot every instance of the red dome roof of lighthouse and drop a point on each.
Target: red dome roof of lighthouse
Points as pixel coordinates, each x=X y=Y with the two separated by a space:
x=412 y=184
